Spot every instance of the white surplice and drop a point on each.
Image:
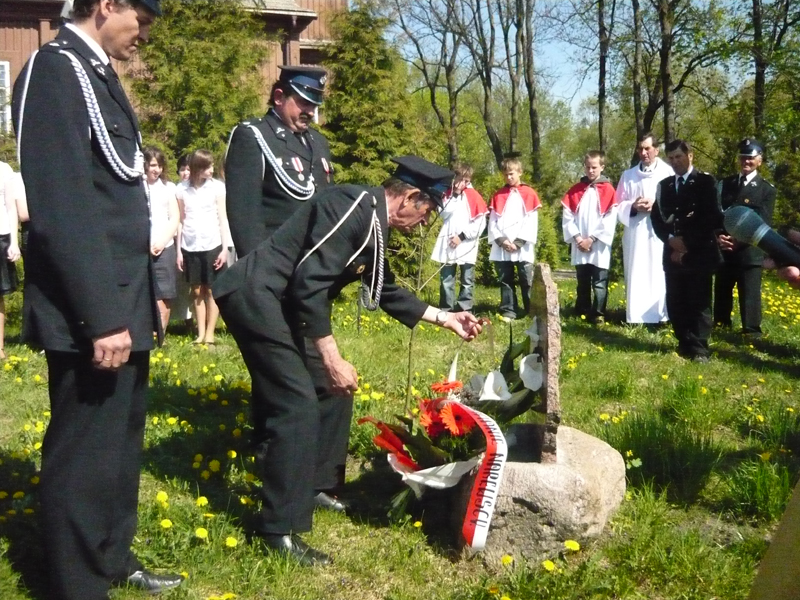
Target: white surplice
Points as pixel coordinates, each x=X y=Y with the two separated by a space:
x=456 y=220
x=589 y=222
x=514 y=224
x=642 y=251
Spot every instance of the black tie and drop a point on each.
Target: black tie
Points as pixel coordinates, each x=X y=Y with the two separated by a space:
x=742 y=181
x=679 y=184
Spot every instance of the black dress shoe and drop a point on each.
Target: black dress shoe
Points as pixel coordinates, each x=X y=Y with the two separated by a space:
x=152 y=582
x=329 y=502
x=293 y=546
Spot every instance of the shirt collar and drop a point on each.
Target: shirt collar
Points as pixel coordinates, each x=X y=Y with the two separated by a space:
x=749 y=178
x=93 y=45
x=685 y=176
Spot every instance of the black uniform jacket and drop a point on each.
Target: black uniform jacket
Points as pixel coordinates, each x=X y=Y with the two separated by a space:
x=88 y=271
x=758 y=195
x=256 y=203
x=692 y=213
x=271 y=279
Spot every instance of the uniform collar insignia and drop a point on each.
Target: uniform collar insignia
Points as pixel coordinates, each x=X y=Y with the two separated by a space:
x=279 y=129
x=94 y=62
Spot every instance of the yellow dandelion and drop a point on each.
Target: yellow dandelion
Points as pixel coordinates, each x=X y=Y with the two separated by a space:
x=765 y=456
x=572 y=545
x=172 y=421
x=18 y=495
x=162 y=496
x=3 y=495
x=201 y=501
x=604 y=416
x=214 y=466
x=205 y=474
x=35 y=480
x=166 y=523
x=665 y=377
x=417 y=524
x=231 y=542
x=549 y=565
x=494 y=590
x=507 y=559
x=198 y=457
x=213 y=395
x=236 y=433
x=195 y=465
x=201 y=533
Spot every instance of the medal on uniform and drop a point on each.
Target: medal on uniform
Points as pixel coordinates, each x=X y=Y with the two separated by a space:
x=327 y=167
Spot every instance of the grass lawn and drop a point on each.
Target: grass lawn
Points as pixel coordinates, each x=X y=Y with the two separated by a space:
x=711 y=449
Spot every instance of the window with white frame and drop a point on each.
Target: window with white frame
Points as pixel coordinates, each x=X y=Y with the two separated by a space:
x=5 y=96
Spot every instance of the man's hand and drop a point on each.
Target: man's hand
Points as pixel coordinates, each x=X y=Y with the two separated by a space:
x=180 y=260
x=790 y=274
x=111 y=350
x=727 y=243
x=677 y=244
x=464 y=324
x=342 y=376
x=643 y=205
x=455 y=241
x=156 y=249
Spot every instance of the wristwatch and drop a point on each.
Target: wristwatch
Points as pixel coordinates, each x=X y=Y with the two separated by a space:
x=441 y=317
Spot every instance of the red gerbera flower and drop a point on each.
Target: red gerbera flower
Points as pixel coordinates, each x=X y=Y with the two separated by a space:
x=457 y=420
x=442 y=387
x=390 y=441
x=429 y=417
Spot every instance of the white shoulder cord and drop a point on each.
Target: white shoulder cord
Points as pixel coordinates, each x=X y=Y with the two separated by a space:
x=22 y=107
x=332 y=231
x=99 y=128
x=291 y=187
x=369 y=297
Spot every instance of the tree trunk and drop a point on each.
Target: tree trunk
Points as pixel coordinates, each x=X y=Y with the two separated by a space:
x=601 y=78
x=665 y=23
x=526 y=8
x=760 y=59
x=636 y=76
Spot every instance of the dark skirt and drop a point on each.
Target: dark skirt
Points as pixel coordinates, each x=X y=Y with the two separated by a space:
x=8 y=270
x=165 y=273
x=198 y=267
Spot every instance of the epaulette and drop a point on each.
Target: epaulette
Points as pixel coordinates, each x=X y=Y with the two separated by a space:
x=55 y=46
x=253 y=121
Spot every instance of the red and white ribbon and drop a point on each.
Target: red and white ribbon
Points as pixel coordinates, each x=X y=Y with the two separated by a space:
x=483 y=497
x=298 y=165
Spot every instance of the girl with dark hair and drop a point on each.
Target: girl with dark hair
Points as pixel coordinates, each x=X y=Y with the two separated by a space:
x=164 y=220
x=203 y=253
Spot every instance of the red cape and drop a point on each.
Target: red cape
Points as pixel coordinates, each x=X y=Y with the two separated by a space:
x=529 y=198
x=477 y=206
x=605 y=190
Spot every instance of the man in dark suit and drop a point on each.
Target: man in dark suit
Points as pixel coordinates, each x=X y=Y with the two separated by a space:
x=273 y=166
x=88 y=298
x=742 y=262
x=685 y=219
x=277 y=301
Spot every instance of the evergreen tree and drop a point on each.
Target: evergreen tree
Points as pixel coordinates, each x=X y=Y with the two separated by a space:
x=369 y=115
x=200 y=74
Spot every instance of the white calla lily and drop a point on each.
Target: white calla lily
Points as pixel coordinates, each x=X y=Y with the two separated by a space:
x=533 y=332
x=452 y=375
x=495 y=388
x=531 y=372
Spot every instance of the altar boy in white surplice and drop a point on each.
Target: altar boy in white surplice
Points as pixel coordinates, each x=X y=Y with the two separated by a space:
x=463 y=221
x=645 y=286
x=513 y=228
x=588 y=220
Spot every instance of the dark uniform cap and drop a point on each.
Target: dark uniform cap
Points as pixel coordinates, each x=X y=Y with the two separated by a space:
x=750 y=147
x=309 y=82
x=151 y=5
x=427 y=176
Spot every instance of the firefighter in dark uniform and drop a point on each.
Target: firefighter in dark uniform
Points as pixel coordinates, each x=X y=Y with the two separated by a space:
x=273 y=166
x=277 y=302
x=742 y=262
x=89 y=300
x=685 y=218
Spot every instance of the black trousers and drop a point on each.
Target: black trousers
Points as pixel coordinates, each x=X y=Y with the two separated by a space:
x=91 y=457
x=285 y=401
x=592 y=293
x=335 y=415
x=689 y=310
x=747 y=279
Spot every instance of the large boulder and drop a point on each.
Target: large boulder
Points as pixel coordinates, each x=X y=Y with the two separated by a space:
x=540 y=505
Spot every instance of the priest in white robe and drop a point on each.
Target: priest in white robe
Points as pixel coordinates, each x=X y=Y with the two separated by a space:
x=642 y=251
